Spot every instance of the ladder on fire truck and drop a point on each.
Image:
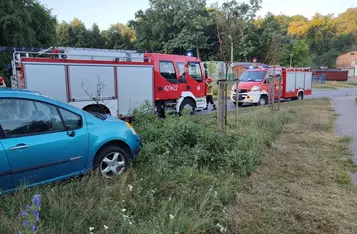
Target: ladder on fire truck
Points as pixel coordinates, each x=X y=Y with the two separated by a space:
x=69 y=53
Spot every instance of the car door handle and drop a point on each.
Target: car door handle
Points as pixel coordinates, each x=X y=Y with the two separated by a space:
x=19 y=146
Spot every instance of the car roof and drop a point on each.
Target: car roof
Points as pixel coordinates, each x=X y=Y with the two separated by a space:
x=33 y=95
x=17 y=91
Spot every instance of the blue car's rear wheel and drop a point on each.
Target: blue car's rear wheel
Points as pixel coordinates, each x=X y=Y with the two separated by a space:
x=112 y=161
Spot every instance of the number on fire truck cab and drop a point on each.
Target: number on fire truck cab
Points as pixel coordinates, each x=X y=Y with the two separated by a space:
x=168 y=88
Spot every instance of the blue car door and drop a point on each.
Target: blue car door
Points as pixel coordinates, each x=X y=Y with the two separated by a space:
x=43 y=142
x=5 y=176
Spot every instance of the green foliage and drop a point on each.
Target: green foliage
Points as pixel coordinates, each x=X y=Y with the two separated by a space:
x=176 y=26
x=173 y=26
x=26 y=23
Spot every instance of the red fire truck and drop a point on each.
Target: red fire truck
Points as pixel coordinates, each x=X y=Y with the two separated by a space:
x=112 y=81
x=254 y=83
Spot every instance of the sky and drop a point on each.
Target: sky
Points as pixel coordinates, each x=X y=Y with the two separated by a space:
x=107 y=12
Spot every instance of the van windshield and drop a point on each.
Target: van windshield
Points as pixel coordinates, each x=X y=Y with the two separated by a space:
x=252 y=76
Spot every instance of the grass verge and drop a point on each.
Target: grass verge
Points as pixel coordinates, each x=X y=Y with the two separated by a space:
x=187 y=176
x=334 y=85
x=303 y=184
x=184 y=178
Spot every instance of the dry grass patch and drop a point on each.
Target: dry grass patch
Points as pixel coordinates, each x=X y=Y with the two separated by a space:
x=302 y=185
x=335 y=85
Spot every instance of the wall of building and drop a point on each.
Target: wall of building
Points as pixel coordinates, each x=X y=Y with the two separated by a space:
x=347 y=60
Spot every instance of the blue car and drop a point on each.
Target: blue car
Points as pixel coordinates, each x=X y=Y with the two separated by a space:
x=43 y=140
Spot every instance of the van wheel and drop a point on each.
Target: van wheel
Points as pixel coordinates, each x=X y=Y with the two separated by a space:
x=239 y=103
x=112 y=161
x=262 y=101
x=189 y=105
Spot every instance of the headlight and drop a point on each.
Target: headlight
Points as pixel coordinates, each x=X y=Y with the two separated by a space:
x=131 y=128
x=255 y=89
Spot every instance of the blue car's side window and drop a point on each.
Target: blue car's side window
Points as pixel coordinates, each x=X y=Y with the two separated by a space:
x=71 y=120
x=26 y=117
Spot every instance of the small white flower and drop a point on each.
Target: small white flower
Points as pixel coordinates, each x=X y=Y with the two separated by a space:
x=171 y=216
x=130 y=187
x=221 y=228
x=105 y=227
x=130 y=223
x=91 y=228
x=123 y=210
x=169 y=198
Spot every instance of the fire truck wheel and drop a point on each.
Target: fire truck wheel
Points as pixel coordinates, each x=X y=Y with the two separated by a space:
x=189 y=104
x=97 y=109
x=301 y=96
x=112 y=160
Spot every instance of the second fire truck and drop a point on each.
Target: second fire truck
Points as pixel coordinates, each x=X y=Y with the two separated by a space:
x=112 y=81
x=253 y=87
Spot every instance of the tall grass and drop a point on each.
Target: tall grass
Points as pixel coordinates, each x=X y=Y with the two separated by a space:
x=186 y=174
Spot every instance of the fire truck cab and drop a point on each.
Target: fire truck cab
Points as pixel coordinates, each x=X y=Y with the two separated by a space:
x=179 y=82
x=253 y=87
x=112 y=81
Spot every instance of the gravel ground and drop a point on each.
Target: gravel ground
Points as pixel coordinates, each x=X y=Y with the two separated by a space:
x=345 y=125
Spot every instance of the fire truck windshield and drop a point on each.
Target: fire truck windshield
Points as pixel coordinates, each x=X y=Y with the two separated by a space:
x=252 y=76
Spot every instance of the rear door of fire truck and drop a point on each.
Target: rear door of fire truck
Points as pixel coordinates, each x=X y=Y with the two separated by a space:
x=276 y=73
x=195 y=78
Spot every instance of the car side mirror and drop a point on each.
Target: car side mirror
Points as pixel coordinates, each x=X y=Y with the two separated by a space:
x=71 y=133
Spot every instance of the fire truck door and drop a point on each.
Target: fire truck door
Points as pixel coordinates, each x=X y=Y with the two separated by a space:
x=168 y=86
x=195 y=79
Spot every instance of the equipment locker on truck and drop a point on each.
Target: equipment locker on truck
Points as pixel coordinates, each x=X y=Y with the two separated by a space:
x=112 y=81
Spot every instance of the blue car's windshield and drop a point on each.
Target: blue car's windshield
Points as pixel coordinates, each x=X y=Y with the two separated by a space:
x=252 y=76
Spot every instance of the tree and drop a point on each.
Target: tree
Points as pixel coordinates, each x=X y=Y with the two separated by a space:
x=113 y=37
x=347 y=23
x=24 y=23
x=235 y=24
x=95 y=39
x=172 y=26
x=73 y=34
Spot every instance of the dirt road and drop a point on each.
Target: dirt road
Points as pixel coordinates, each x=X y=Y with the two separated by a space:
x=316 y=93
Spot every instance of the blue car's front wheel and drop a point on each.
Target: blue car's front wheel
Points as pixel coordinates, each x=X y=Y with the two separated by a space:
x=112 y=161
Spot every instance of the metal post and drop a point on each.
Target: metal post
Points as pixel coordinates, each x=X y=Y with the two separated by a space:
x=232 y=53
x=237 y=99
x=225 y=105
x=280 y=91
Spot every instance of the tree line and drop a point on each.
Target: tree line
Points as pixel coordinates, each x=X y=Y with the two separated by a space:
x=178 y=26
